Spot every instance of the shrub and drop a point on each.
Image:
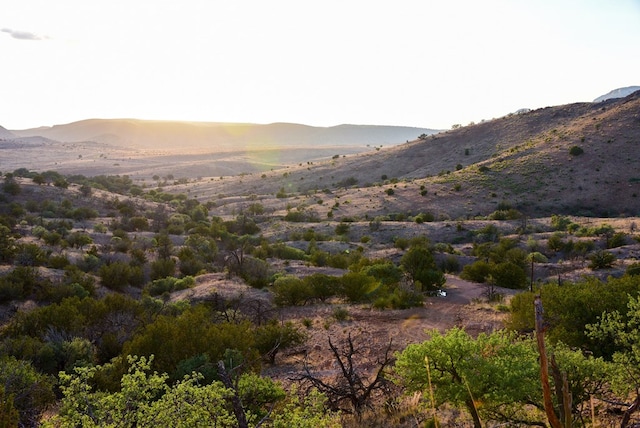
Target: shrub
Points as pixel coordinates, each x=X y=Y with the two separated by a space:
x=115 y=276
x=357 y=287
x=274 y=337
x=576 y=151
x=291 y=291
x=560 y=222
x=633 y=269
x=424 y=217
x=341 y=314
x=162 y=268
x=477 y=271
x=389 y=192
x=322 y=286
x=342 y=228
x=450 y=264
x=617 y=240
x=169 y=284
x=31 y=391
x=601 y=260
x=399 y=298
x=508 y=275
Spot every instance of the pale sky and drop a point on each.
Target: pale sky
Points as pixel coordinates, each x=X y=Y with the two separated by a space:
x=414 y=63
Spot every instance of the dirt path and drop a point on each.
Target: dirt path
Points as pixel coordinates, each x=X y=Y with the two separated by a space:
x=372 y=329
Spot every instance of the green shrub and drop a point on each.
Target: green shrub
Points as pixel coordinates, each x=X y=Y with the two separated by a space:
x=115 y=276
x=291 y=291
x=633 y=269
x=340 y=314
x=576 y=151
x=169 y=284
x=357 y=287
x=273 y=337
x=322 y=286
x=601 y=260
x=560 y=222
x=477 y=271
x=162 y=268
x=508 y=275
x=618 y=239
x=399 y=298
x=450 y=264
x=342 y=228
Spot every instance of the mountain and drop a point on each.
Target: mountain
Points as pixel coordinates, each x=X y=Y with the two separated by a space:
x=5 y=134
x=617 y=93
x=211 y=136
x=524 y=161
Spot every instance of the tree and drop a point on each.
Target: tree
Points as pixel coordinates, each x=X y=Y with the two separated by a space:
x=494 y=369
x=623 y=329
x=418 y=263
x=11 y=186
x=350 y=392
x=143 y=400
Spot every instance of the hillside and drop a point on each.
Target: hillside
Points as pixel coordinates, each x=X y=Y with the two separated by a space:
x=522 y=159
x=5 y=134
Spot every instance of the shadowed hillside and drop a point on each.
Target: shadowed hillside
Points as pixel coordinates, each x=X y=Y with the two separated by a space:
x=525 y=160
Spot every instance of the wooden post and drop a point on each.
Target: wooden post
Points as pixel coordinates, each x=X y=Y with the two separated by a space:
x=544 y=366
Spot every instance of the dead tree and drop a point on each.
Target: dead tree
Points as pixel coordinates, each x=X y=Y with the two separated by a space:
x=350 y=391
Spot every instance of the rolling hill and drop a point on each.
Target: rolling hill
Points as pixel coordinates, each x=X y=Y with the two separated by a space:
x=522 y=160
x=210 y=136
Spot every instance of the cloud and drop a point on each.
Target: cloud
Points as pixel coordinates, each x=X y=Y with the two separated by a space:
x=22 y=35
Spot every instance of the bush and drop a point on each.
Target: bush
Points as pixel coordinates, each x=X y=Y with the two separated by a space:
x=32 y=391
x=509 y=275
x=115 y=276
x=322 y=286
x=291 y=291
x=399 y=298
x=357 y=287
x=617 y=240
x=424 y=217
x=450 y=264
x=162 y=268
x=169 y=284
x=477 y=271
x=633 y=269
x=601 y=260
x=274 y=337
x=342 y=228
x=576 y=151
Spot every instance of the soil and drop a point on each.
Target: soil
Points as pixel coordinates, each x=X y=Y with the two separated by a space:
x=371 y=329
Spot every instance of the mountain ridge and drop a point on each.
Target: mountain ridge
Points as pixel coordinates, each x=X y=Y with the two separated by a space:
x=178 y=135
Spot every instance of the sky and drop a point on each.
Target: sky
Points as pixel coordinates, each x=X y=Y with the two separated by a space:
x=422 y=63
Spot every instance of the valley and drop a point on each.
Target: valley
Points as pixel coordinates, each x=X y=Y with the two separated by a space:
x=327 y=265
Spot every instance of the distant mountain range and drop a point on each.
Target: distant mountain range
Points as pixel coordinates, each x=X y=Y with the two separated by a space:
x=617 y=93
x=177 y=136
